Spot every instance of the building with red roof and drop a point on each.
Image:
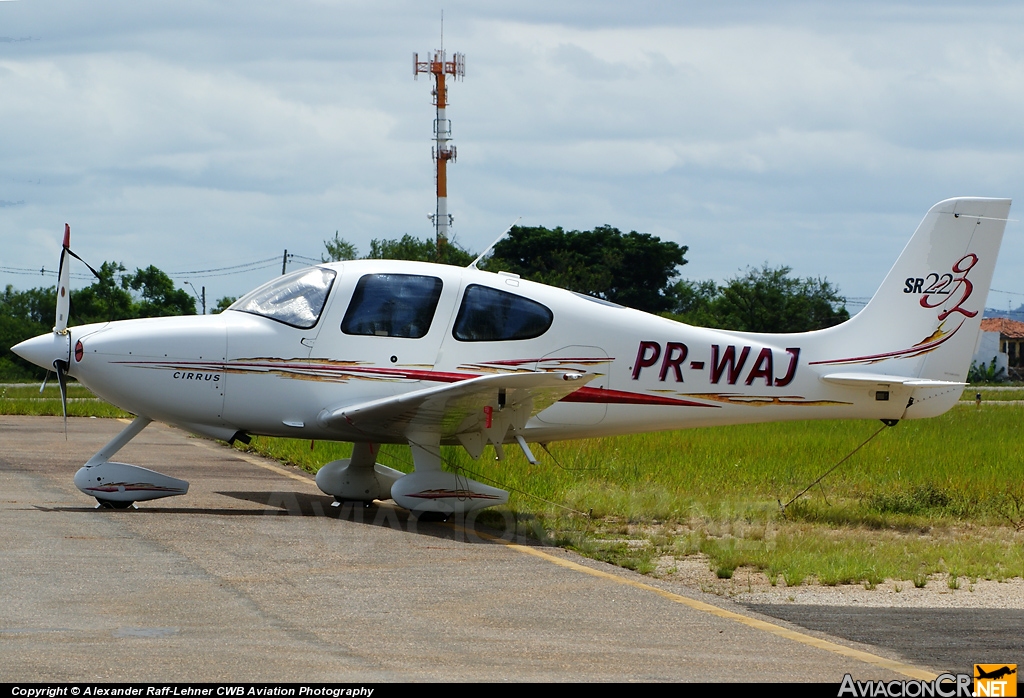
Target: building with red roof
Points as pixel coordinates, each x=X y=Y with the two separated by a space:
x=1011 y=338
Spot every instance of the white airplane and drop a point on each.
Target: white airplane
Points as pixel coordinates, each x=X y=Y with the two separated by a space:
x=379 y=351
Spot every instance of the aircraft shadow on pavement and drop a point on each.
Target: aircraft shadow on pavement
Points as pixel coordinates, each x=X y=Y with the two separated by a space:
x=289 y=503
x=379 y=514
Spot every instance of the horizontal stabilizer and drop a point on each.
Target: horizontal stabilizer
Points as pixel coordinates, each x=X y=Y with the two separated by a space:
x=859 y=379
x=456 y=408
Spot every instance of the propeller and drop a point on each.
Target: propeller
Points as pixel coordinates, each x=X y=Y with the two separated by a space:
x=60 y=325
x=61 y=367
x=62 y=363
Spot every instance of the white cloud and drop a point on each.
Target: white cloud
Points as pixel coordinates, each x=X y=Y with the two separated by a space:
x=800 y=134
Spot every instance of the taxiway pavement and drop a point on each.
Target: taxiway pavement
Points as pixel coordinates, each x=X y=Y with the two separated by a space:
x=252 y=576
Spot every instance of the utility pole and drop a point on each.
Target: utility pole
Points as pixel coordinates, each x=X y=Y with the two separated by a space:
x=200 y=298
x=284 y=263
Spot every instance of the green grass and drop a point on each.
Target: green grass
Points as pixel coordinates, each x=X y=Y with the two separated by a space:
x=27 y=400
x=1002 y=394
x=941 y=496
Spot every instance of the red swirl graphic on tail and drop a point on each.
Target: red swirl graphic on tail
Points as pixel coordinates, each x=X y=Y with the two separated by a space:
x=961 y=284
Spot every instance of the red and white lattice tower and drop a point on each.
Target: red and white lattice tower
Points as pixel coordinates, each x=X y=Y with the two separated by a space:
x=443 y=150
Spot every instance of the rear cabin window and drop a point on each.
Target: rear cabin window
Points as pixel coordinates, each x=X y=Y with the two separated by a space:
x=490 y=315
x=296 y=299
x=392 y=305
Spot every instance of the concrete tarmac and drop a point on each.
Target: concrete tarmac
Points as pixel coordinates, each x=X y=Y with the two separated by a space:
x=252 y=576
x=947 y=639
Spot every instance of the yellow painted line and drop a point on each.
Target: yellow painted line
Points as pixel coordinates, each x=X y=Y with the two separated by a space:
x=866 y=657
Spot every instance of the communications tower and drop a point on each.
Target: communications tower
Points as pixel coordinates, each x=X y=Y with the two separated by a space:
x=443 y=150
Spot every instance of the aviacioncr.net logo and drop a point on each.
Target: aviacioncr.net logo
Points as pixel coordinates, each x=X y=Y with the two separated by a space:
x=995 y=680
x=945 y=686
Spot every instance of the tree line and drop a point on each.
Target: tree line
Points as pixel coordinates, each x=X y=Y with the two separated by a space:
x=637 y=270
x=116 y=294
x=633 y=269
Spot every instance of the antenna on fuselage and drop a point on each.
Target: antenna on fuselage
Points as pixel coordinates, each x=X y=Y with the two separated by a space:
x=472 y=265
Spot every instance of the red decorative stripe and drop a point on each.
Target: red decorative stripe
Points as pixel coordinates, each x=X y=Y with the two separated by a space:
x=449 y=494
x=519 y=362
x=591 y=395
x=134 y=487
x=912 y=351
x=619 y=397
x=309 y=369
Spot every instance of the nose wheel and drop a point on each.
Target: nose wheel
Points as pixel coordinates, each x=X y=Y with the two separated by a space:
x=432 y=516
x=110 y=504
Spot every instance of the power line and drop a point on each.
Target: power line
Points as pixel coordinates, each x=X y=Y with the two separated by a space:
x=305 y=259
x=207 y=275
x=40 y=272
x=245 y=267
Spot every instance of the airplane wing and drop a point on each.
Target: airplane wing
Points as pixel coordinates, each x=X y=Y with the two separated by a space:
x=475 y=410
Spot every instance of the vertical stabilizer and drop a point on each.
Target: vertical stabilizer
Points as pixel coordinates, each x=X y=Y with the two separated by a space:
x=923 y=322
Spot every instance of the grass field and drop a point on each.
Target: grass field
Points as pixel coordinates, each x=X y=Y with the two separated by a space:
x=997 y=394
x=26 y=399
x=942 y=496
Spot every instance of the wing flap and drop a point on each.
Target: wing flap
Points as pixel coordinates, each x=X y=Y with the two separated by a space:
x=459 y=408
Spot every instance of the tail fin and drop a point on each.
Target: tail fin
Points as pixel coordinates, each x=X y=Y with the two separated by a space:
x=923 y=321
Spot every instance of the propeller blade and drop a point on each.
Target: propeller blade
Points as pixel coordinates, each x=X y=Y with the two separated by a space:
x=63 y=285
x=43 y=386
x=61 y=367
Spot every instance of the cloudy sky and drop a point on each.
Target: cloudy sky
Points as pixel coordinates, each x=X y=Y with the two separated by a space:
x=199 y=135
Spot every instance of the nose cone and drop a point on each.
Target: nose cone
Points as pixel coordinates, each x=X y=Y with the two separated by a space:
x=44 y=349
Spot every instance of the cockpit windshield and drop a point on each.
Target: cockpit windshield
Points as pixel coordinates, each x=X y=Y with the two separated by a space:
x=296 y=299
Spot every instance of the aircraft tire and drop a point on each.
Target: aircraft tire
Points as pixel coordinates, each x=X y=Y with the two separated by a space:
x=431 y=516
x=110 y=504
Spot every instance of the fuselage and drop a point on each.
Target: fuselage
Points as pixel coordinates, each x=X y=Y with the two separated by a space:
x=346 y=333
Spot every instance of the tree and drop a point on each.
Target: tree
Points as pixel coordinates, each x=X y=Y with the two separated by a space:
x=425 y=250
x=23 y=315
x=35 y=305
x=633 y=269
x=104 y=300
x=986 y=373
x=26 y=314
x=406 y=247
x=694 y=302
x=223 y=304
x=338 y=250
x=110 y=297
x=761 y=300
x=159 y=297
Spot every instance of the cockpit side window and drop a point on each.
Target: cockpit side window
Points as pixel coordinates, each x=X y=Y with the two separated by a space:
x=490 y=315
x=392 y=305
x=295 y=299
